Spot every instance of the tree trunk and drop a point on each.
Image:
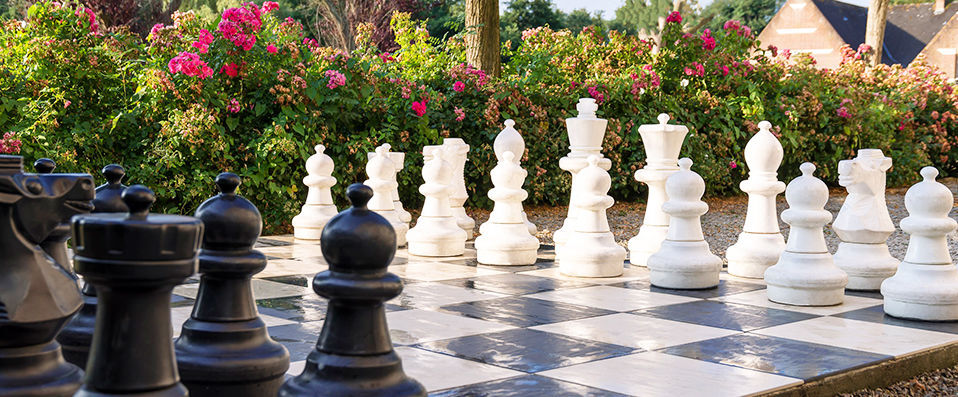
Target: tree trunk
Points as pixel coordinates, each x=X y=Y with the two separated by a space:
x=482 y=44
x=875 y=29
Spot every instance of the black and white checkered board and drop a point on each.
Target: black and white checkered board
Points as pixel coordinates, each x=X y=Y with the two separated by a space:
x=464 y=329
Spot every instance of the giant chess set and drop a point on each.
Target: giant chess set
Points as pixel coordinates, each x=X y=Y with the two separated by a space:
x=364 y=302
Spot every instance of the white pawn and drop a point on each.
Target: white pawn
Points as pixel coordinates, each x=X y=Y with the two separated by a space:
x=456 y=154
x=398 y=158
x=436 y=232
x=505 y=239
x=761 y=242
x=509 y=140
x=591 y=250
x=319 y=207
x=382 y=180
x=926 y=284
x=805 y=274
x=684 y=260
x=863 y=224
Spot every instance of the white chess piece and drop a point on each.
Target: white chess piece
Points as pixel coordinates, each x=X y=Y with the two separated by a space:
x=926 y=284
x=586 y=132
x=382 y=180
x=319 y=207
x=761 y=242
x=436 y=232
x=662 y=143
x=398 y=158
x=505 y=239
x=457 y=153
x=591 y=250
x=863 y=224
x=509 y=140
x=805 y=274
x=684 y=260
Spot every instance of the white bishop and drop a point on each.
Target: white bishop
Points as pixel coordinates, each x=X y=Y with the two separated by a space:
x=382 y=179
x=319 y=207
x=761 y=242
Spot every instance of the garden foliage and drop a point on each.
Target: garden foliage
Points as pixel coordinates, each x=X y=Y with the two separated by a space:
x=251 y=93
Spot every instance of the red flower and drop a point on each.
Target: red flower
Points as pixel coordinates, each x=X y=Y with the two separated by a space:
x=458 y=86
x=230 y=69
x=419 y=108
x=708 y=42
x=674 y=16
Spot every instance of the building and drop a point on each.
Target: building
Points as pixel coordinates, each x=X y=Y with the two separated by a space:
x=821 y=27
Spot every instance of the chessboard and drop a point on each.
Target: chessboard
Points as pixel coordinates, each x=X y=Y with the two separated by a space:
x=464 y=329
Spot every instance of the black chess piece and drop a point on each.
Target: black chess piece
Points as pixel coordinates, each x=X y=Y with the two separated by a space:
x=354 y=355
x=134 y=260
x=37 y=294
x=76 y=337
x=56 y=243
x=224 y=348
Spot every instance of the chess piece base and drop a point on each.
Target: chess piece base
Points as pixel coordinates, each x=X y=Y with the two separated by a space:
x=177 y=390
x=75 y=339
x=232 y=358
x=684 y=265
x=531 y=226
x=806 y=279
x=358 y=376
x=867 y=265
x=37 y=371
x=506 y=244
x=754 y=253
x=436 y=237
x=308 y=225
x=592 y=255
x=922 y=292
x=464 y=222
x=646 y=243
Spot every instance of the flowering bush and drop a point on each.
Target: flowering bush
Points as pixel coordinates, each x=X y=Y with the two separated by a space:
x=251 y=93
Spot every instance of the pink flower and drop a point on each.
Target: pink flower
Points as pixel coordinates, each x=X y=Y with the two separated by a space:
x=460 y=114
x=386 y=57
x=698 y=71
x=269 y=6
x=594 y=93
x=708 y=42
x=239 y=25
x=458 y=86
x=203 y=42
x=674 y=16
x=310 y=42
x=724 y=70
x=732 y=24
x=66 y=103
x=9 y=144
x=419 y=108
x=230 y=69
x=732 y=164
x=271 y=49
x=336 y=79
x=233 y=106
x=843 y=112
x=189 y=64
x=156 y=29
x=935 y=115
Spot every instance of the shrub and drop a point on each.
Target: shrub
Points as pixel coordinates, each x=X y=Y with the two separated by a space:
x=250 y=93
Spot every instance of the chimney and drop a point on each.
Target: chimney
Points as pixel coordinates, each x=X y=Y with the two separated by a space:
x=939 y=6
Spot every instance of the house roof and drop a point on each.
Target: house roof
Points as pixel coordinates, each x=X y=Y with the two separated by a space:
x=908 y=30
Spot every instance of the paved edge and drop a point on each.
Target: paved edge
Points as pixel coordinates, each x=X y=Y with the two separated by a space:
x=880 y=375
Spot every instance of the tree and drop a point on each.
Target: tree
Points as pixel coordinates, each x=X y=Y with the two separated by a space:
x=482 y=43
x=526 y=14
x=875 y=29
x=753 y=13
x=580 y=18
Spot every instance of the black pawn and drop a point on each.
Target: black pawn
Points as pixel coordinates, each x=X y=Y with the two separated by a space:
x=134 y=260
x=37 y=295
x=224 y=348
x=55 y=244
x=354 y=356
x=77 y=336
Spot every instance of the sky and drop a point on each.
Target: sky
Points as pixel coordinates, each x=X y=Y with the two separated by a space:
x=608 y=7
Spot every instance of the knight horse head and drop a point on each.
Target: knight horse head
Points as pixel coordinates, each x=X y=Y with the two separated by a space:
x=34 y=289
